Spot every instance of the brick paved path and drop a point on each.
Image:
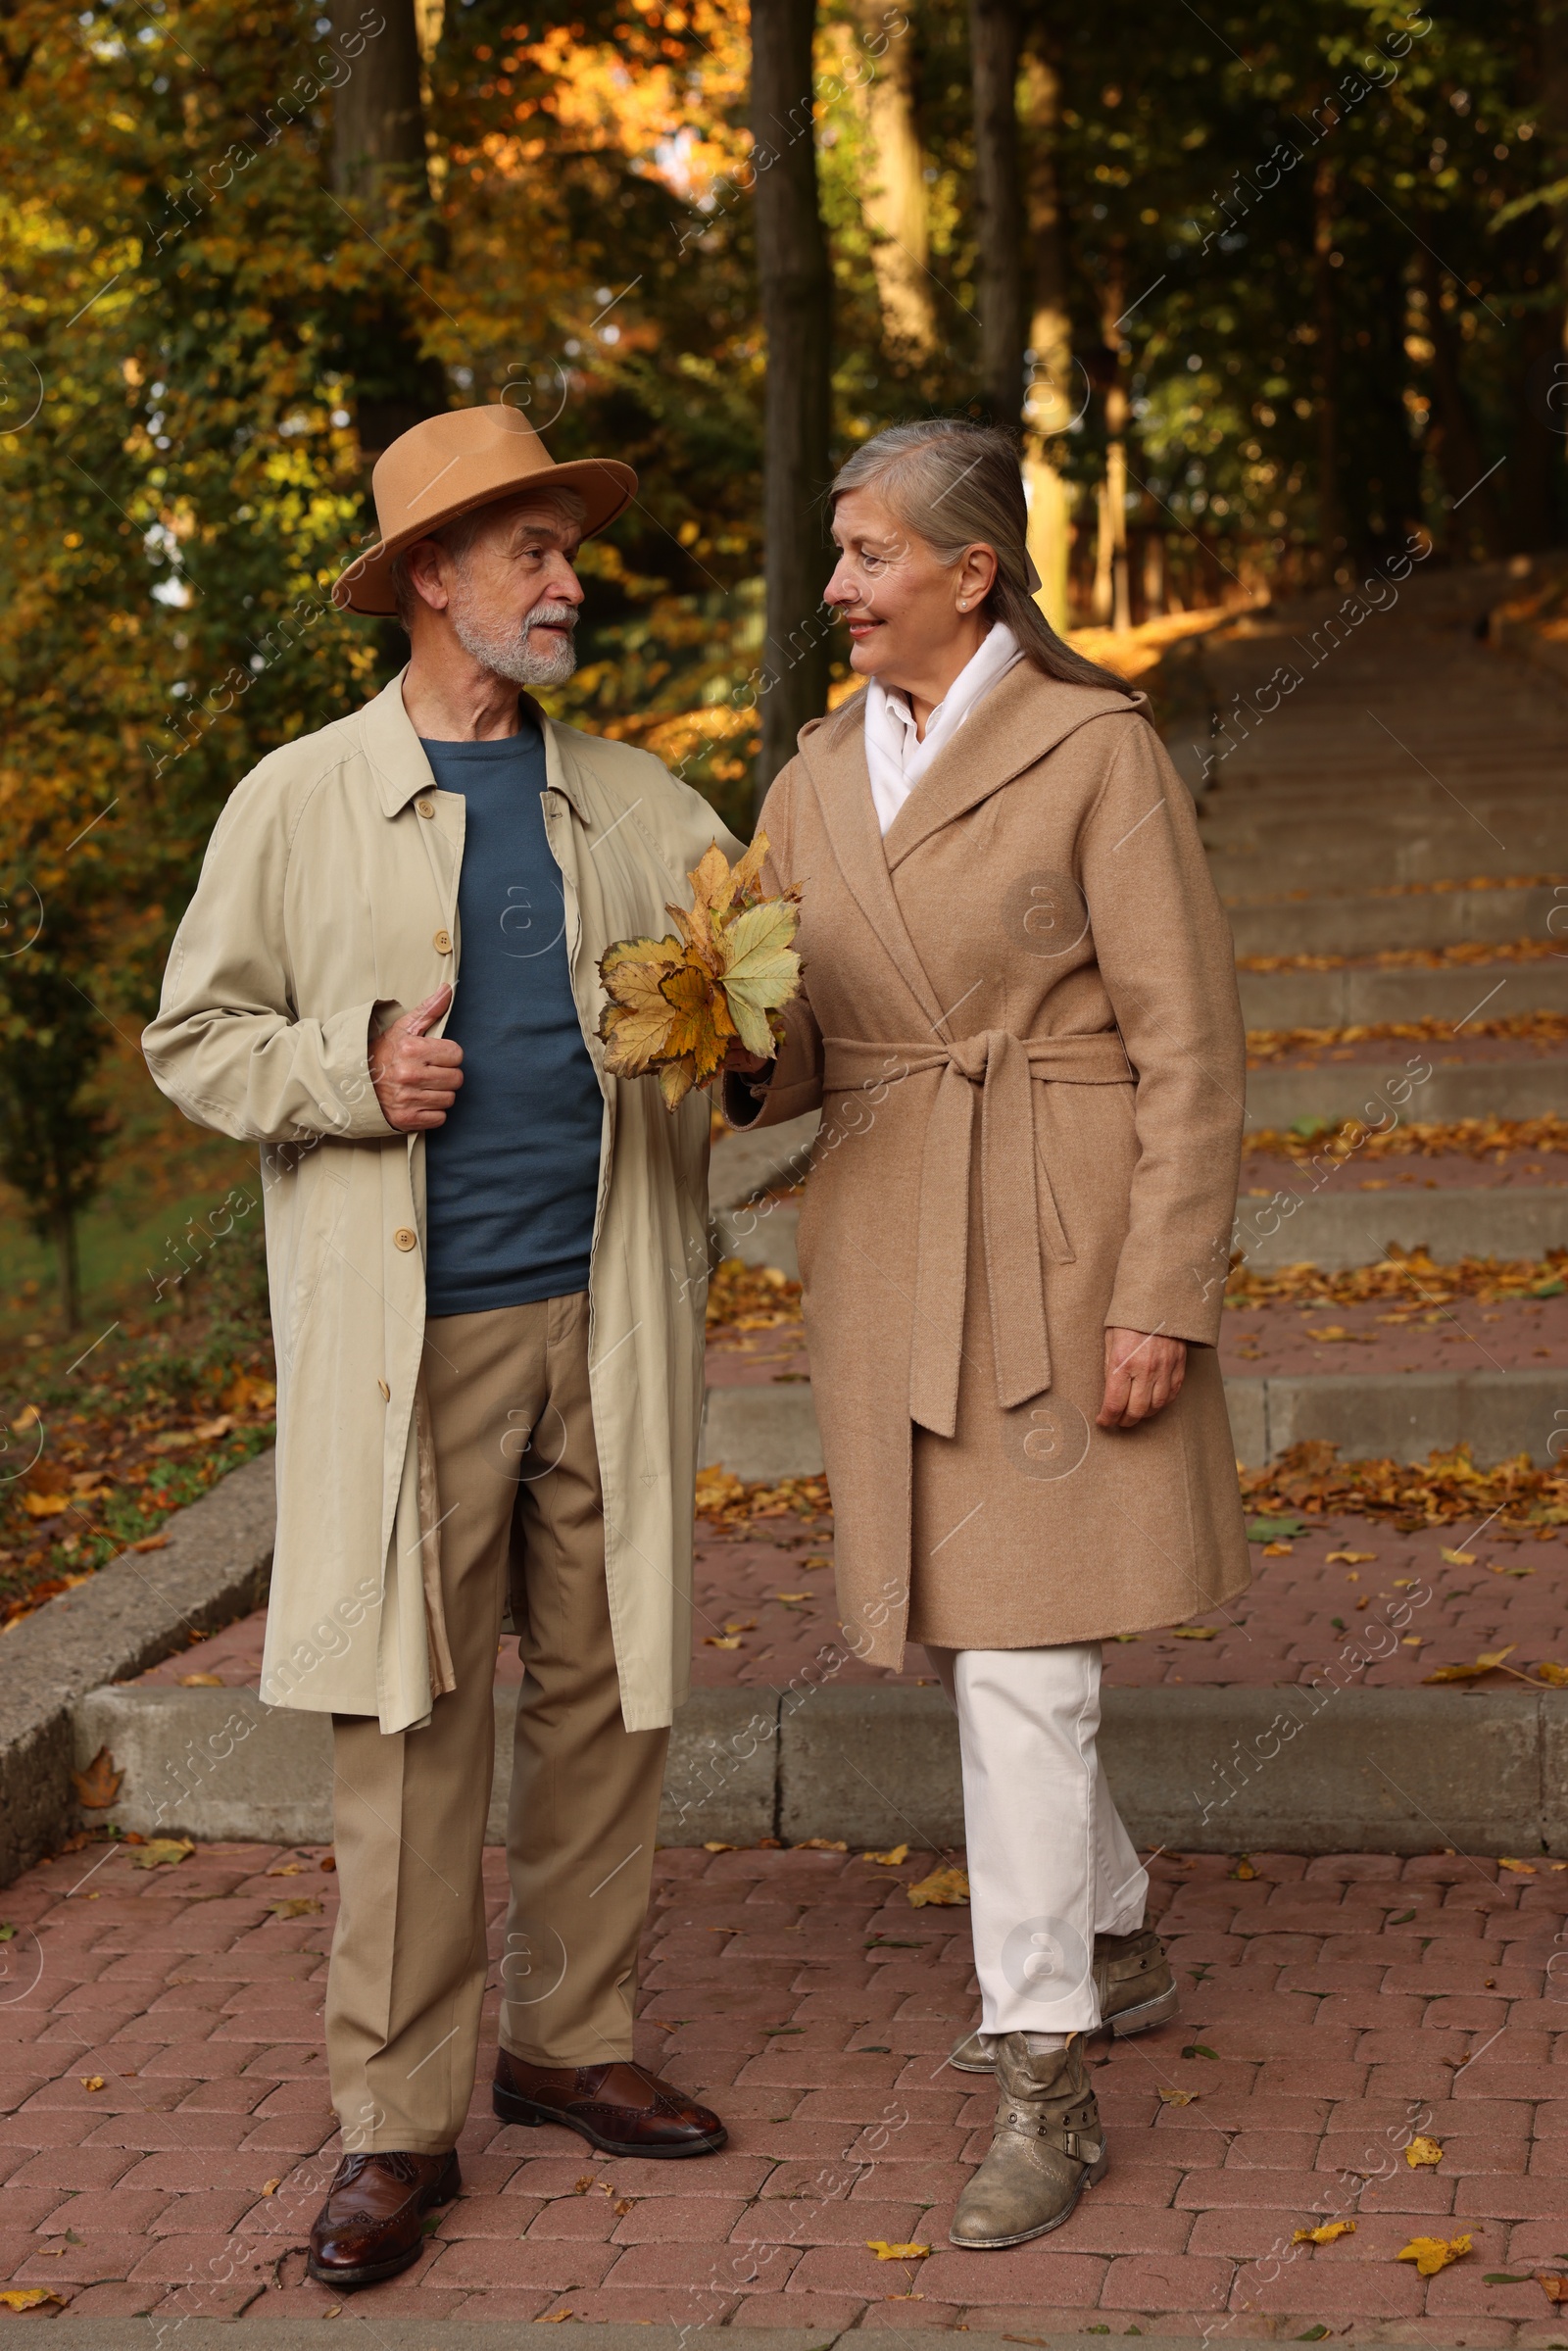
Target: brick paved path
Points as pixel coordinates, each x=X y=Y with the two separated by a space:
x=1346 y=2001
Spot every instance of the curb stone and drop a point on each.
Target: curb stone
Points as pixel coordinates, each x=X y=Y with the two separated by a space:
x=1302 y=1769
x=494 y=2334
x=138 y=1609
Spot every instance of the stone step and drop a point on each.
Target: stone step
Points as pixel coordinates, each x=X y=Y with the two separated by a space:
x=1342 y=858
x=1370 y=1768
x=1360 y=924
x=770 y=1433
x=1334 y=1000
x=1381 y=1092
x=1339 y=1229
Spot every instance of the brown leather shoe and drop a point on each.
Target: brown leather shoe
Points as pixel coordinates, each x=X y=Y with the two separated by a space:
x=622 y=2107
x=373 y=2223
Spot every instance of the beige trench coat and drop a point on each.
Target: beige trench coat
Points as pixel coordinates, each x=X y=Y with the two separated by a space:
x=329 y=898
x=1021 y=1019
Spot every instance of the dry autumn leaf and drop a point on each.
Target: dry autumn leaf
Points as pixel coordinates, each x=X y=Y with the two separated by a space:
x=1433 y=2253
x=1422 y=2150
x=1325 y=2235
x=891 y=1858
x=286 y=1869
x=1198 y=1631
x=1486 y=1663
x=269 y=2188
x=1520 y=1868
x=1549 y=1671
x=886 y=2252
x=201 y=1680
x=1553 y=2284
x=947 y=1889
x=1277 y=1549
x=720 y=1640
x=28 y=2297
x=820 y=1844
x=45 y=1505
x=714 y=1846
x=1456 y=1558
x=161 y=1853
x=1179 y=2097
x=1349 y=1559
x=92 y=2081
x=99 y=1784
x=295 y=1906
x=676 y=1004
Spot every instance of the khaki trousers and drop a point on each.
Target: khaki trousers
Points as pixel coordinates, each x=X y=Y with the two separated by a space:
x=518 y=1475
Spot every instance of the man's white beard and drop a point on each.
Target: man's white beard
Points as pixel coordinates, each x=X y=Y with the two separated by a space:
x=511 y=653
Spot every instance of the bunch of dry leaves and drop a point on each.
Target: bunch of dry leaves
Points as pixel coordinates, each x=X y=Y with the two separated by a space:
x=1435 y=1493
x=676 y=1003
x=725 y=1500
x=1402 y=1274
x=751 y=1298
x=1527 y=1028
x=1429 y=1139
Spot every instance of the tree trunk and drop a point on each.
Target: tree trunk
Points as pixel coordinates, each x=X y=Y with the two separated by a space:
x=895 y=207
x=1104 y=557
x=1153 y=577
x=1472 y=500
x=68 y=1259
x=1049 y=402
x=1329 y=528
x=378 y=143
x=1116 y=417
x=994 y=34
x=797 y=306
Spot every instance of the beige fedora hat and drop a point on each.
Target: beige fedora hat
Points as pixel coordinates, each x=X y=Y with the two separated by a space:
x=448 y=465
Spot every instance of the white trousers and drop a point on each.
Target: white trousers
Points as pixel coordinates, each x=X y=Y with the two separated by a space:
x=1049 y=1863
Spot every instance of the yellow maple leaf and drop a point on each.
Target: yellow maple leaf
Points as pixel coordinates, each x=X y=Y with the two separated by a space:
x=945 y=1887
x=1349 y=1559
x=1422 y=2150
x=1549 y=1671
x=1433 y=2253
x=1486 y=1663
x=886 y=2252
x=1277 y=1549
x=635 y=1023
x=700 y=1025
x=761 y=969
x=890 y=1859
x=92 y=2081
x=1179 y=2097
x=1324 y=2236
x=1455 y=1559
x=28 y=2297
x=1520 y=1868
x=45 y=1505
x=162 y=1852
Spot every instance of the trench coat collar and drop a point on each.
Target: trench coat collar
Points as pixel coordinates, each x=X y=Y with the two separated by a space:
x=1024 y=717
x=401 y=770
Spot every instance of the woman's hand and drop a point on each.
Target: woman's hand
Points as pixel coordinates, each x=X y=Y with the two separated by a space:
x=745 y=1063
x=1143 y=1373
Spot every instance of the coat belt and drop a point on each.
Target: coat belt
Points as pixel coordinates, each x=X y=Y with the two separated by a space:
x=1018 y=1207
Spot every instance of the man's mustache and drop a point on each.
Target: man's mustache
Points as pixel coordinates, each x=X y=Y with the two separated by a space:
x=551 y=616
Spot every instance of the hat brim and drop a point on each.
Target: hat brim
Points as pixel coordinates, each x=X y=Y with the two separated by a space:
x=604 y=486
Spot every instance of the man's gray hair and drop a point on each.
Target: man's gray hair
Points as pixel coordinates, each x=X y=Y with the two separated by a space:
x=464 y=532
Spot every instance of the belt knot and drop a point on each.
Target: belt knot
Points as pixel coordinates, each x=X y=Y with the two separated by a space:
x=973 y=1056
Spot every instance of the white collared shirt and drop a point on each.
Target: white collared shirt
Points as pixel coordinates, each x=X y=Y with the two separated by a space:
x=896 y=755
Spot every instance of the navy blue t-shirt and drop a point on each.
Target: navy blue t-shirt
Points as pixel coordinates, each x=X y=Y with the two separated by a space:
x=511 y=1178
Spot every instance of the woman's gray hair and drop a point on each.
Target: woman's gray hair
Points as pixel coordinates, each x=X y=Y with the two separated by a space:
x=462 y=533
x=956 y=485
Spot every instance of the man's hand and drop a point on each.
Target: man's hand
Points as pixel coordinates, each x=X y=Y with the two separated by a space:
x=415 y=1075
x=1141 y=1374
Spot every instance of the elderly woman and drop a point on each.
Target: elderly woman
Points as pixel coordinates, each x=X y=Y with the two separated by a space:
x=1020 y=1020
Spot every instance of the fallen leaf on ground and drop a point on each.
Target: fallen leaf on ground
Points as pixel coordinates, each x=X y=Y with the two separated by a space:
x=553 y=2318
x=45 y=1505
x=1244 y=1869
x=1324 y=2236
x=269 y=2188
x=1277 y=1549
x=1433 y=2253
x=1486 y=1663
x=1198 y=1631
x=28 y=2297
x=162 y=1852
x=201 y=1680
x=99 y=1784
x=328 y=1861
x=92 y=2081
x=1198 y=2048
x=1521 y=1869
x=1553 y=2284
x=1456 y=1558
x=720 y=1640
x=1178 y=2097
x=820 y=1844
x=886 y=2252
x=1549 y=1671
x=580 y=2187
x=621 y=2206
x=286 y=1869
x=1349 y=1559
x=1423 y=2151
x=792 y=1597
x=294 y=1906
x=944 y=1888
x=716 y=1847
x=891 y=1858
x=151 y=1543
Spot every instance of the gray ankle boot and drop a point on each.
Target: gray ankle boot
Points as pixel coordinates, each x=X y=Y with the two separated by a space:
x=1137 y=1991
x=1047 y=2147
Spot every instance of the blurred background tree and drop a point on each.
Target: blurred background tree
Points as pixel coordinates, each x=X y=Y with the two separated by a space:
x=1264 y=290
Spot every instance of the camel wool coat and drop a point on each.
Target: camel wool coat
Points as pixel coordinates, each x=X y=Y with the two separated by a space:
x=1020 y=1016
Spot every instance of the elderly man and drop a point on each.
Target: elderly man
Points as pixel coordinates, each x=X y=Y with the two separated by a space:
x=486 y=1259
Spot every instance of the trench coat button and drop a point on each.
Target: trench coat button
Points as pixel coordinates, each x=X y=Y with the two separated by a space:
x=442 y=943
x=404 y=1238
x=426 y=807
x=386 y=1392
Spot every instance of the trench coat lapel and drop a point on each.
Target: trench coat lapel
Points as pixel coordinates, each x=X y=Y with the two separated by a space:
x=1024 y=717
x=833 y=752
